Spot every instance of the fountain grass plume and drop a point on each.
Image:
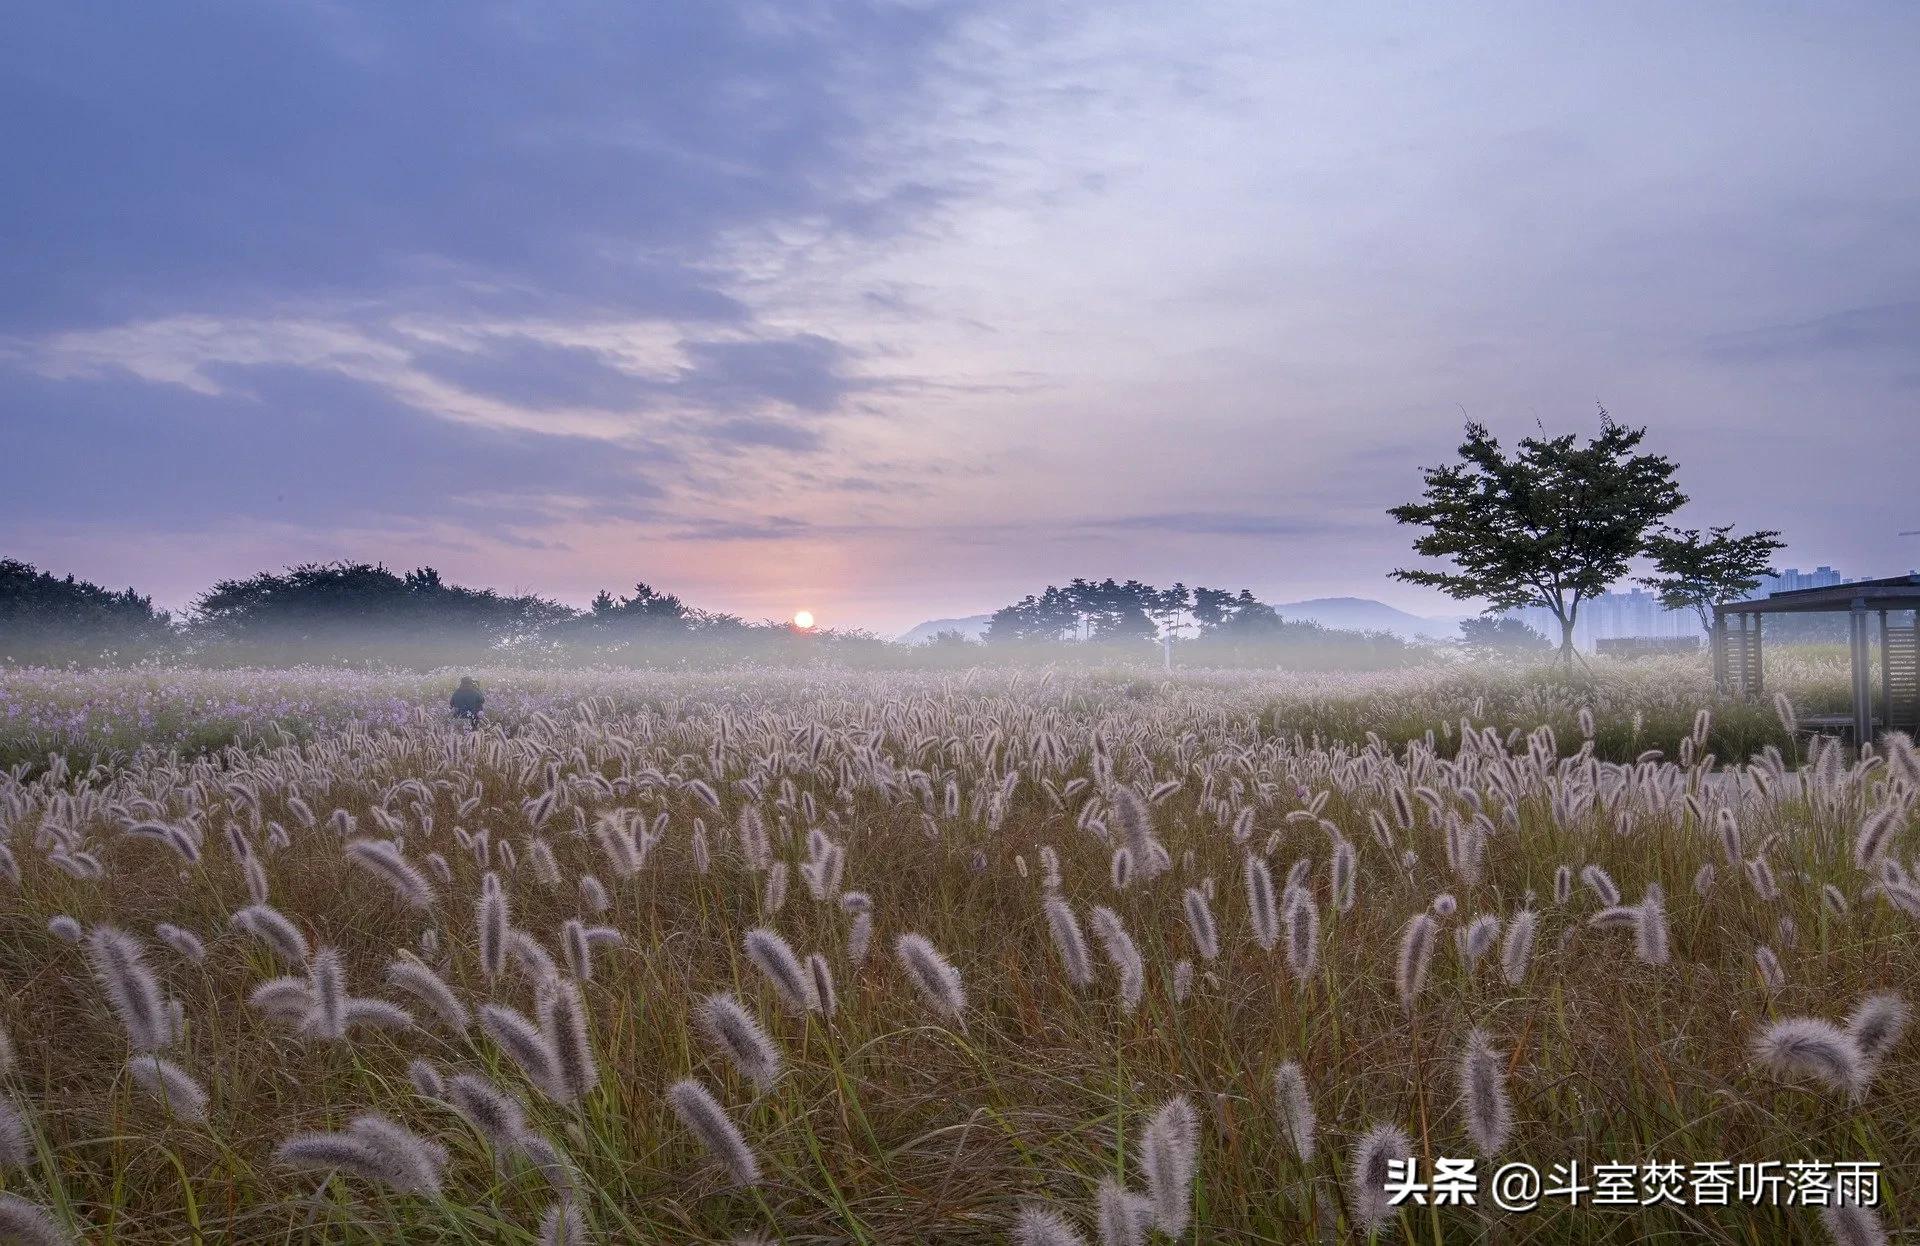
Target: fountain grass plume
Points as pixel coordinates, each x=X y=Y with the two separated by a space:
x=426 y=1079
x=563 y=1023
x=527 y=1046
x=576 y=949
x=276 y=930
x=1345 y=878
x=491 y=919
x=1650 y=927
x=121 y=969
x=1367 y=1179
x=382 y=859
x=1478 y=937
x=1302 y=923
x=1206 y=940
x=936 y=978
x=1135 y=823
x=1601 y=884
x=1068 y=941
x=1727 y=827
x=1870 y=843
x=1849 y=1224
x=563 y=1225
x=16 y=1137
x=703 y=1116
x=382 y=1154
x=1040 y=1226
x=183 y=942
x=1124 y=1218
x=499 y=1117
x=1516 y=950
x=283 y=999
x=1483 y=1095
x=1122 y=954
x=171 y=1086
x=1876 y=1025
x=859 y=938
x=1414 y=959
x=775 y=958
x=825 y=997
x=1295 y=1109
x=1169 y=1155
x=1808 y=1046
x=24 y=1223
x=1261 y=909
x=738 y=1035
x=327 y=980
x=773 y=896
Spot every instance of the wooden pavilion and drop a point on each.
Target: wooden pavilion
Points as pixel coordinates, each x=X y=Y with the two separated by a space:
x=1868 y=605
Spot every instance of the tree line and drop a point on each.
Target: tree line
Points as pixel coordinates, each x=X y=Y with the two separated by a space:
x=353 y=613
x=1211 y=627
x=1553 y=523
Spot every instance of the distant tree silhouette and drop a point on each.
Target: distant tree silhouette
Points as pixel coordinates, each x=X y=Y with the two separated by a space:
x=49 y=619
x=362 y=612
x=1696 y=572
x=1229 y=628
x=1551 y=525
x=1496 y=636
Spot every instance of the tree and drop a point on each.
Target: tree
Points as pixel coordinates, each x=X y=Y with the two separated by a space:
x=362 y=612
x=1551 y=525
x=47 y=619
x=1506 y=637
x=1696 y=572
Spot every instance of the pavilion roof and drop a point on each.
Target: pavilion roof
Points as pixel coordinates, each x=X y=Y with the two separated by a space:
x=1898 y=592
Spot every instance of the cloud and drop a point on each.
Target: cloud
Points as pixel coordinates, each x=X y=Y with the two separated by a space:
x=582 y=162
x=1213 y=523
x=863 y=296
x=1887 y=328
x=291 y=445
x=806 y=372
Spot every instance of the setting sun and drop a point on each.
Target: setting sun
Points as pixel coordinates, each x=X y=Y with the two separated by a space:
x=803 y=619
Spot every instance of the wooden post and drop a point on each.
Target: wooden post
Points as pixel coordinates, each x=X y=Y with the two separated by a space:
x=1886 y=675
x=1719 y=642
x=1862 y=688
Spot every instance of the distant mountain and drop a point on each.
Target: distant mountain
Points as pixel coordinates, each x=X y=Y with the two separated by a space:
x=1363 y=614
x=973 y=627
x=1353 y=614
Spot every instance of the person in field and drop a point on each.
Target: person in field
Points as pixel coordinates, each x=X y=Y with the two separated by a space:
x=467 y=700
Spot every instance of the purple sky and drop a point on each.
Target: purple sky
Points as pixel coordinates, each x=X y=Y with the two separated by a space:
x=902 y=310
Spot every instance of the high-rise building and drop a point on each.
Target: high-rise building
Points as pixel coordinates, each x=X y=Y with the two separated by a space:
x=1793 y=578
x=1639 y=613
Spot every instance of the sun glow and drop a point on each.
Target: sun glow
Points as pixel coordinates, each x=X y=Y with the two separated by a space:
x=803 y=619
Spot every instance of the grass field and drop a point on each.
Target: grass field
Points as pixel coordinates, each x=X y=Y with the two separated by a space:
x=379 y=978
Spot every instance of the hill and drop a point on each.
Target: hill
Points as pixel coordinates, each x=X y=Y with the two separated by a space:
x=1363 y=614
x=973 y=627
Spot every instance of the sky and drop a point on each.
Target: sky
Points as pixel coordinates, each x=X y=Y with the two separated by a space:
x=902 y=310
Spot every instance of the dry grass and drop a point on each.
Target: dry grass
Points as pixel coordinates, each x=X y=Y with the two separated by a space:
x=893 y=1120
